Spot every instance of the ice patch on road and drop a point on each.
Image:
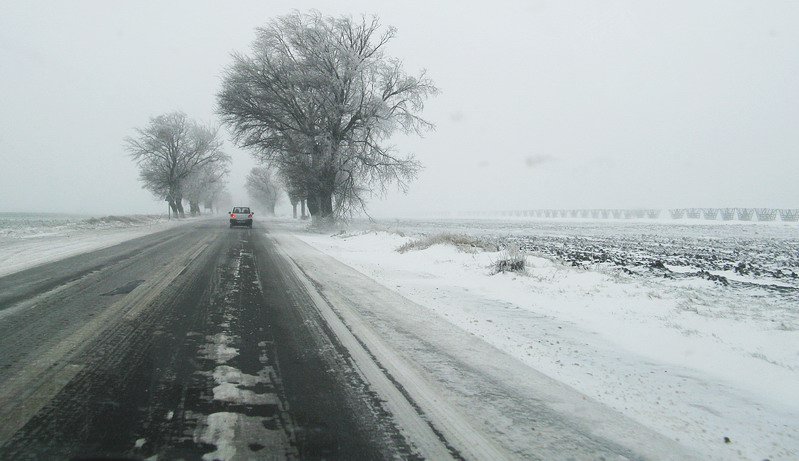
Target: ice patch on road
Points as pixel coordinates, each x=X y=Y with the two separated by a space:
x=219 y=349
x=228 y=374
x=230 y=382
x=220 y=431
x=229 y=392
x=238 y=436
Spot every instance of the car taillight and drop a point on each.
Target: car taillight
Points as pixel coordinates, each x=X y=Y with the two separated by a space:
x=249 y=215
x=233 y=216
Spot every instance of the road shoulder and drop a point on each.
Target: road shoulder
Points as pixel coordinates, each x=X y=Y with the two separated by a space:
x=466 y=387
x=18 y=254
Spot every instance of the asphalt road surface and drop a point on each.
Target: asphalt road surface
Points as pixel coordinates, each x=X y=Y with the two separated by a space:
x=196 y=341
x=204 y=342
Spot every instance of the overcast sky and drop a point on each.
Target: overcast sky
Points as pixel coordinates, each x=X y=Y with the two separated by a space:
x=543 y=105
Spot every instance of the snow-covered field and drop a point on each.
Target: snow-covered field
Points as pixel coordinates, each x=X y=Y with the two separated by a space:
x=692 y=330
x=30 y=239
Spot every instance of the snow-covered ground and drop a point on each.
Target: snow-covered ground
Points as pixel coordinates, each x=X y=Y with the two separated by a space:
x=691 y=330
x=30 y=239
x=639 y=326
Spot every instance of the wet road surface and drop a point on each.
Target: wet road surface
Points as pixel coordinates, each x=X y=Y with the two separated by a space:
x=196 y=342
x=204 y=342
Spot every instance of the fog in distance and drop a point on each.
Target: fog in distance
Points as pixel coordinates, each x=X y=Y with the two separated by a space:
x=543 y=104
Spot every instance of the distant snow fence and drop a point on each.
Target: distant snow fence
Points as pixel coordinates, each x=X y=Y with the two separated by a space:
x=708 y=214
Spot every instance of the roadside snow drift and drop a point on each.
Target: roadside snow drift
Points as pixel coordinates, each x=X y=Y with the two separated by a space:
x=710 y=365
x=28 y=240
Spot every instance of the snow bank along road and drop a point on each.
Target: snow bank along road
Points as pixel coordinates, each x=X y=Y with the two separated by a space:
x=207 y=342
x=709 y=364
x=28 y=240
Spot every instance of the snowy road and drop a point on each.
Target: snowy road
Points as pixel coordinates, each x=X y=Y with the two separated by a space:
x=215 y=343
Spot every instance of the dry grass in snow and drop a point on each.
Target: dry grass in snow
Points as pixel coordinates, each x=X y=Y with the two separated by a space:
x=460 y=241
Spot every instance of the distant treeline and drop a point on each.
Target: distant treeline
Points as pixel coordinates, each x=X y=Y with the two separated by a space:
x=725 y=214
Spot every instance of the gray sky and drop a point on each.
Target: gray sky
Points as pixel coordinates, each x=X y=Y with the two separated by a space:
x=543 y=105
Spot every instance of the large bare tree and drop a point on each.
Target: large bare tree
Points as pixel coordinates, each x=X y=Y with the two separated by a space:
x=318 y=100
x=170 y=149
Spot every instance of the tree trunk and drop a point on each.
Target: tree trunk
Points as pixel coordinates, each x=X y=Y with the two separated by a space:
x=303 y=215
x=294 y=209
x=327 y=186
x=194 y=207
x=179 y=203
x=321 y=197
x=174 y=207
x=326 y=204
x=313 y=206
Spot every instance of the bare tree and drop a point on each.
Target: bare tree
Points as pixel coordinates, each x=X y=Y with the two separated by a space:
x=263 y=188
x=204 y=184
x=223 y=200
x=297 y=194
x=318 y=99
x=168 y=150
x=214 y=200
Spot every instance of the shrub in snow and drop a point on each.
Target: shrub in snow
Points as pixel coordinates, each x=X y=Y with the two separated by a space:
x=460 y=241
x=511 y=259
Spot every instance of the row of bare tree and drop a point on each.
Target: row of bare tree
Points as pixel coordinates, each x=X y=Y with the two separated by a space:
x=316 y=102
x=180 y=159
x=264 y=188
